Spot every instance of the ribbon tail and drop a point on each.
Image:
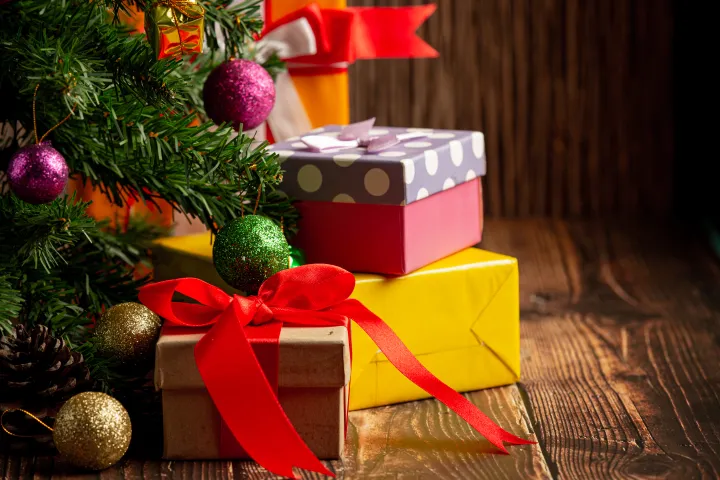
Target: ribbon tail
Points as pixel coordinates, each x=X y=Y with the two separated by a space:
x=390 y=32
x=288 y=117
x=246 y=401
x=401 y=357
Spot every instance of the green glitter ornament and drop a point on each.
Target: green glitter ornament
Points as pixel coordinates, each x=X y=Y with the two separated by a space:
x=297 y=257
x=248 y=251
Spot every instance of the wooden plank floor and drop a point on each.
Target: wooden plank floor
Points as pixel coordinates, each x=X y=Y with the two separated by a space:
x=621 y=373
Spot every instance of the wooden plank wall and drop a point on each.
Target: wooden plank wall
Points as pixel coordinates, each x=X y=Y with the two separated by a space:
x=574 y=97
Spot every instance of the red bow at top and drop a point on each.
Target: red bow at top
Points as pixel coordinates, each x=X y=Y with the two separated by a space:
x=313 y=295
x=355 y=33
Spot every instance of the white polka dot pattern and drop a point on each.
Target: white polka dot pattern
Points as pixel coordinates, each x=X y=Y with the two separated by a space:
x=478 y=144
x=417 y=144
x=456 y=152
x=343 y=198
x=431 y=161
x=345 y=159
x=377 y=182
x=408 y=170
x=309 y=178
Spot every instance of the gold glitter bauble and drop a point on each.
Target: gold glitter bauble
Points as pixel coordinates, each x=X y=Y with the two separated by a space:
x=92 y=430
x=128 y=332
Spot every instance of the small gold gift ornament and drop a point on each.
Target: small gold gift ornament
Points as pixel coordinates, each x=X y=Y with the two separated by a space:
x=175 y=27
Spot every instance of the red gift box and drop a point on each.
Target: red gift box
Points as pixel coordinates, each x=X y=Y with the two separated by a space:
x=390 y=211
x=391 y=239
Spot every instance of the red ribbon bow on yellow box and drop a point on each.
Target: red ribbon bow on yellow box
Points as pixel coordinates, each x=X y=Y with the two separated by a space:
x=313 y=295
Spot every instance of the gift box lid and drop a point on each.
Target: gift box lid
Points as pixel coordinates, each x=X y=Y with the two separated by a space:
x=399 y=175
x=309 y=357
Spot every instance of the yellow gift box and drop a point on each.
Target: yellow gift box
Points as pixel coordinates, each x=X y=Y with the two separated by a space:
x=175 y=27
x=459 y=316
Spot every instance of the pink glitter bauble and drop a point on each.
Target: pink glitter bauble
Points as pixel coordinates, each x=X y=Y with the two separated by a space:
x=37 y=173
x=240 y=92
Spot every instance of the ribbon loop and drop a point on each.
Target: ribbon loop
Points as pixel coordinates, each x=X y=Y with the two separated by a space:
x=358 y=135
x=212 y=301
x=293 y=39
x=313 y=295
x=308 y=287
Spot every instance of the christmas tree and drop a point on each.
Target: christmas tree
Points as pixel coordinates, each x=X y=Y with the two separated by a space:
x=134 y=126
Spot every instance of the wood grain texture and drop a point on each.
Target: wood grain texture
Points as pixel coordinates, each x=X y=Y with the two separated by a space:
x=416 y=440
x=620 y=342
x=574 y=97
x=425 y=440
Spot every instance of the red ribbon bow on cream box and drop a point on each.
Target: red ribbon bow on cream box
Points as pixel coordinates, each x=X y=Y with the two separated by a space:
x=315 y=295
x=315 y=41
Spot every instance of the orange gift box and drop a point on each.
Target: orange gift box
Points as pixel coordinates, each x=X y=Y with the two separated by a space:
x=325 y=96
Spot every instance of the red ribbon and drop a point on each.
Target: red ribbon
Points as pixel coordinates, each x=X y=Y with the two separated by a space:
x=314 y=295
x=358 y=33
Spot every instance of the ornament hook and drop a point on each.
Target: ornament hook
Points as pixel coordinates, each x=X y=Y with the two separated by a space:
x=38 y=141
x=13 y=410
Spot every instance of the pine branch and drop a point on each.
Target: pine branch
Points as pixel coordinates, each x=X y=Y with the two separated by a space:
x=67 y=268
x=11 y=302
x=228 y=28
x=237 y=24
x=274 y=65
x=101 y=269
x=130 y=135
x=109 y=374
x=198 y=170
x=37 y=233
x=50 y=300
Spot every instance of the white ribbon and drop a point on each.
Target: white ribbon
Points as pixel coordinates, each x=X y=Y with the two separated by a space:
x=321 y=143
x=294 y=39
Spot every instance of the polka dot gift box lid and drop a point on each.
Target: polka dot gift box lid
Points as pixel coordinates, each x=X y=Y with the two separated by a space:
x=399 y=175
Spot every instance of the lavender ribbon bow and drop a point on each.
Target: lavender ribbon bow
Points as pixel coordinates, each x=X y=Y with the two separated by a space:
x=357 y=135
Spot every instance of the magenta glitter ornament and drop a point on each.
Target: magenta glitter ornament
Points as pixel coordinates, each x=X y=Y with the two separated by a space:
x=239 y=92
x=37 y=173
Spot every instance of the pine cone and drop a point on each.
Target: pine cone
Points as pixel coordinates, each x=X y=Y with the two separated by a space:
x=39 y=369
